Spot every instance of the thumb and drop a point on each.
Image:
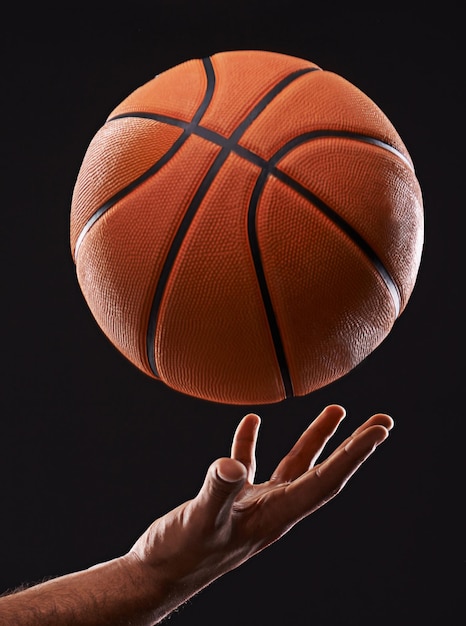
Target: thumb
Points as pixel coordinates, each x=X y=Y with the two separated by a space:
x=230 y=470
x=224 y=480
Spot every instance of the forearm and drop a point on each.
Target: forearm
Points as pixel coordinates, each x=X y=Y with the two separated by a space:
x=117 y=592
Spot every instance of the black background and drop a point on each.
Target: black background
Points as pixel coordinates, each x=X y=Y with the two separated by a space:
x=92 y=450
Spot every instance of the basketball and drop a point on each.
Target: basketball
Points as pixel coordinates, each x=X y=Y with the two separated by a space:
x=246 y=227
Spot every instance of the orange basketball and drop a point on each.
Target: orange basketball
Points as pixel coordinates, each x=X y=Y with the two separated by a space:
x=246 y=227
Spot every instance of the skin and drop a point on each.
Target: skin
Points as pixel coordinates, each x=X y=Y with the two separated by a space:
x=230 y=520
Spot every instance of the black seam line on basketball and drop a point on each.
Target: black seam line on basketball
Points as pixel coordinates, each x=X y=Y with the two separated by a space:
x=161 y=162
x=345 y=227
x=225 y=142
x=227 y=148
x=210 y=76
x=272 y=170
x=203 y=132
x=329 y=212
x=249 y=155
x=342 y=134
x=128 y=189
x=266 y=298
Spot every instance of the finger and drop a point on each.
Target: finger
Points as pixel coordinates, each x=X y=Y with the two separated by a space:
x=379 y=419
x=243 y=448
x=327 y=479
x=224 y=480
x=309 y=446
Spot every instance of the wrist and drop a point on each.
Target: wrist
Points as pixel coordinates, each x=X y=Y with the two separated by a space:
x=154 y=590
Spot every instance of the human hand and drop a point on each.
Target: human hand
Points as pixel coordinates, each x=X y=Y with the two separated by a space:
x=231 y=518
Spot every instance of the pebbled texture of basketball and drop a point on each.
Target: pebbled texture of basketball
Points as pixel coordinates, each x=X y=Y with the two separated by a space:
x=247 y=227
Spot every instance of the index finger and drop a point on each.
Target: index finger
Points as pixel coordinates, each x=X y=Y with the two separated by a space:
x=309 y=445
x=243 y=448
